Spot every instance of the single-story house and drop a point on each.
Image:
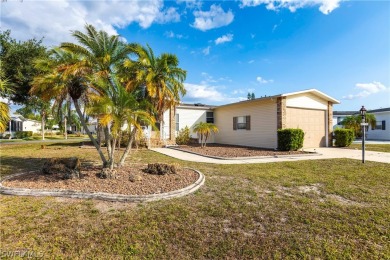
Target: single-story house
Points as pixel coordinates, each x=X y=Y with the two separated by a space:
x=380 y=132
x=19 y=123
x=382 y=129
x=339 y=116
x=255 y=122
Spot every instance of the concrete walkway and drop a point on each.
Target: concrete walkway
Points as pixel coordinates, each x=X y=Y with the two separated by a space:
x=322 y=153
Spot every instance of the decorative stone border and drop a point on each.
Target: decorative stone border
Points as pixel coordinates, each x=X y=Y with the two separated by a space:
x=247 y=157
x=101 y=195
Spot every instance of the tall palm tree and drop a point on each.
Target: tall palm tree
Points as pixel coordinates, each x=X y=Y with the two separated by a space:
x=204 y=130
x=161 y=77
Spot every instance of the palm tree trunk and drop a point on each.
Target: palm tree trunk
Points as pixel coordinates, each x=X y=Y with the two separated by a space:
x=107 y=138
x=78 y=110
x=65 y=126
x=43 y=124
x=112 y=155
x=128 y=147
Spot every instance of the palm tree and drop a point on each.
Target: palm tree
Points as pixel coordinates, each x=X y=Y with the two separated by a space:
x=353 y=122
x=204 y=130
x=115 y=106
x=4 y=108
x=161 y=78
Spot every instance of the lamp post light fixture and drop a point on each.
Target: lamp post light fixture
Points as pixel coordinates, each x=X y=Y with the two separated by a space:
x=363 y=124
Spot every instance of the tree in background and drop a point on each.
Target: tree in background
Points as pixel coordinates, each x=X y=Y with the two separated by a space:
x=17 y=64
x=251 y=96
x=204 y=130
x=353 y=122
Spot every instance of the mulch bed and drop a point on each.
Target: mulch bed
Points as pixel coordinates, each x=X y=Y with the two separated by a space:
x=232 y=151
x=89 y=182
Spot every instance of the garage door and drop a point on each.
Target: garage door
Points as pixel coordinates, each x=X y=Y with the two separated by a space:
x=312 y=122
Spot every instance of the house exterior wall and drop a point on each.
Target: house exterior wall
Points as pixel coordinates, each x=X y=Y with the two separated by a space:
x=307 y=100
x=318 y=129
x=32 y=125
x=263 y=129
x=379 y=134
x=190 y=116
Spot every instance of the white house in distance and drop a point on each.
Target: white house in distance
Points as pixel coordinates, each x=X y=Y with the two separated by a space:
x=19 y=123
x=381 y=132
x=255 y=122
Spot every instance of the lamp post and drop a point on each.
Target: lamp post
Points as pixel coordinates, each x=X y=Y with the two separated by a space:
x=363 y=124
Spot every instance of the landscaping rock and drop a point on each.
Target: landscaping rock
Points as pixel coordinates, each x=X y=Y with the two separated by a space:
x=68 y=167
x=135 y=177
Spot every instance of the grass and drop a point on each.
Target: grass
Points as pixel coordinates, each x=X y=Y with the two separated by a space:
x=372 y=147
x=47 y=137
x=326 y=209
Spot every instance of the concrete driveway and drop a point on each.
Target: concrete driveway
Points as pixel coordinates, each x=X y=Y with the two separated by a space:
x=321 y=153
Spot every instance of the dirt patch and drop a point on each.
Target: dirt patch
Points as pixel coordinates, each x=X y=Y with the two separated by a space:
x=90 y=182
x=233 y=151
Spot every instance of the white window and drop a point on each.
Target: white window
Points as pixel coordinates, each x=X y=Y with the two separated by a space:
x=242 y=122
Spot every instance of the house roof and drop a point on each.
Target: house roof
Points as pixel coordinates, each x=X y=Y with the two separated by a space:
x=349 y=113
x=386 y=109
x=315 y=92
x=312 y=91
x=344 y=113
x=196 y=106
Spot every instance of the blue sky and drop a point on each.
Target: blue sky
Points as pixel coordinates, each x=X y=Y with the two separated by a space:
x=230 y=48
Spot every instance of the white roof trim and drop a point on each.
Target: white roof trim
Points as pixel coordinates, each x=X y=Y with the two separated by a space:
x=315 y=92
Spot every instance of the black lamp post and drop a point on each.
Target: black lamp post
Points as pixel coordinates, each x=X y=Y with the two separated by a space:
x=363 y=124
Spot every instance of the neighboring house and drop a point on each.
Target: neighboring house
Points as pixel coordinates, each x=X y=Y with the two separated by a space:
x=19 y=123
x=382 y=129
x=255 y=122
x=339 y=116
x=192 y=114
x=380 y=132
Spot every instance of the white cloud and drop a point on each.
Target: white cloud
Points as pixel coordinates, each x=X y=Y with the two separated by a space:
x=206 y=51
x=170 y=34
x=367 y=89
x=203 y=92
x=225 y=38
x=215 y=18
x=326 y=6
x=251 y=61
x=29 y=19
x=264 y=81
x=168 y=15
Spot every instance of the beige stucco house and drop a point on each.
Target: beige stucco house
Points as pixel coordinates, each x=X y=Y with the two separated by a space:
x=255 y=122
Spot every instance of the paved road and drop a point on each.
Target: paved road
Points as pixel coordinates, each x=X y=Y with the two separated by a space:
x=322 y=153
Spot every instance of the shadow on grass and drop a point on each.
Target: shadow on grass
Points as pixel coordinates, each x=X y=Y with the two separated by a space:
x=14 y=164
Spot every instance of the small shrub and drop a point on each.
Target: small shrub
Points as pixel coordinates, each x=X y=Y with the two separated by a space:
x=23 y=134
x=161 y=168
x=183 y=137
x=290 y=139
x=344 y=137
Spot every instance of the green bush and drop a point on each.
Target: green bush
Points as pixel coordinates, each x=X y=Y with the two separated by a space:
x=183 y=137
x=23 y=134
x=344 y=137
x=290 y=139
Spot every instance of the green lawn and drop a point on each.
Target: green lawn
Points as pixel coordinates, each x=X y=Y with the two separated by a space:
x=372 y=147
x=326 y=209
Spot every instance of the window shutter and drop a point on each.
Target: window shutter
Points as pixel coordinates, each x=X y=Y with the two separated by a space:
x=234 y=123
x=248 y=122
x=384 y=125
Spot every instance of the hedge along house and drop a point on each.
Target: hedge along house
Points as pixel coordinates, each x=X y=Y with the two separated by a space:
x=255 y=122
